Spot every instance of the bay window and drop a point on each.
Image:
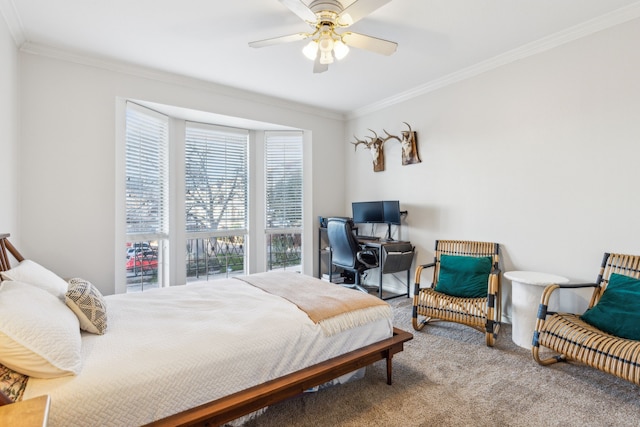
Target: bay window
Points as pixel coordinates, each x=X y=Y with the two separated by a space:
x=190 y=208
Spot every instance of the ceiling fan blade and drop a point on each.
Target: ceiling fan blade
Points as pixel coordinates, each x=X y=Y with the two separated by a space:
x=358 y=10
x=279 y=40
x=318 y=67
x=300 y=9
x=383 y=47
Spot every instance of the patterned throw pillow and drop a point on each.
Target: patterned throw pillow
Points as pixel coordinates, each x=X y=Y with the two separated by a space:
x=88 y=304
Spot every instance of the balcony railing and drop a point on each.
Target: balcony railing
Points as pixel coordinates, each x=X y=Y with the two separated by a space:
x=284 y=251
x=215 y=257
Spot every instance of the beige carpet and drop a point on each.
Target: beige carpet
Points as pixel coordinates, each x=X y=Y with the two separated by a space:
x=446 y=376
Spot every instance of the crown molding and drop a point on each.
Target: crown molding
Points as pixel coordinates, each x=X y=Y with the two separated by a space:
x=176 y=79
x=587 y=28
x=619 y=16
x=11 y=17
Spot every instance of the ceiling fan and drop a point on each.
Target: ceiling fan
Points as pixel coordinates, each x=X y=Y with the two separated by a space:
x=326 y=17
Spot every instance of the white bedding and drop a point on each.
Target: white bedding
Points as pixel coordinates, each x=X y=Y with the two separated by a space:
x=171 y=349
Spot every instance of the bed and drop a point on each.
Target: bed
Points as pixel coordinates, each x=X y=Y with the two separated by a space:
x=212 y=352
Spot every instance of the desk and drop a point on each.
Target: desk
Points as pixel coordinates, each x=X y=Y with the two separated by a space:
x=405 y=264
x=526 y=292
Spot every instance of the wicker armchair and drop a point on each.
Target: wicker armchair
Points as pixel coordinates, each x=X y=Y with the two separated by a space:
x=481 y=313
x=574 y=339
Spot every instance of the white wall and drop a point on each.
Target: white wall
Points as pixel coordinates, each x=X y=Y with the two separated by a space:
x=540 y=155
x=67 y=168
x=9 y=133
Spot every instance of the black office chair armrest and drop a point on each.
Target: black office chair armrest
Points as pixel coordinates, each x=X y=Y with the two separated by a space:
x=369 y=257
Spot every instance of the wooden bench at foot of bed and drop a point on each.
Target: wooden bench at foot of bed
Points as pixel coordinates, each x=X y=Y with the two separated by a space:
x=244 y=402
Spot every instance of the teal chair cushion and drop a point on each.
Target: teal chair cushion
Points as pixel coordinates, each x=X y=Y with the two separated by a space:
x=618 y=311
x=464 y=276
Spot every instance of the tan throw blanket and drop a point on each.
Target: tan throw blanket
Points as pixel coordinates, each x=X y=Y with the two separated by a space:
x=333 y=307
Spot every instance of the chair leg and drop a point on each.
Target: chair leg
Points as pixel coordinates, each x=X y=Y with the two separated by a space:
x=535 y=351
x=357 y=284
x=492 y=328
x=418 y=325
x=490 y=339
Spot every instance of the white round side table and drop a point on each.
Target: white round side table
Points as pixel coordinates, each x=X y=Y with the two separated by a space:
x=526 y=291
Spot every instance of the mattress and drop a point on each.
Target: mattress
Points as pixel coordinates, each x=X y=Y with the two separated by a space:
x=171 y=349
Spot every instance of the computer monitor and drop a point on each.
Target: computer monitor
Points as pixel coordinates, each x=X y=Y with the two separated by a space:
x=391 y=209
x=367 y=212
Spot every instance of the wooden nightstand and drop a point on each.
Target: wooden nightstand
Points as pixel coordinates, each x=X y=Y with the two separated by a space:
x=27 y=413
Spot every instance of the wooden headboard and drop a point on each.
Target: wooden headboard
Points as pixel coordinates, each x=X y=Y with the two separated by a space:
x=5 y=245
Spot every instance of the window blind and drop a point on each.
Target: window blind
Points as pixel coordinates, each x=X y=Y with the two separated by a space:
x=283 y=179
x=216 y=178
x=146 y=172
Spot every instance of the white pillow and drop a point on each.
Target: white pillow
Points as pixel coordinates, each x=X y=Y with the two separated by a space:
x=34 y=274
x=88 y=304
x=39 y=335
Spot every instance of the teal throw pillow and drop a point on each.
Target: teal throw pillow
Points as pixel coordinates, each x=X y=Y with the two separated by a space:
x=464 y=276
x=618 y=311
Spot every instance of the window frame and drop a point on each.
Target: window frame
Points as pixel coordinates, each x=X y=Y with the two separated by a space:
x=157 y=127
x=280 y=144
x=215 y=139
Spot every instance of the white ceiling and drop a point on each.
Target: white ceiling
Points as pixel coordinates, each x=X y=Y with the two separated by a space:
x=208 y=40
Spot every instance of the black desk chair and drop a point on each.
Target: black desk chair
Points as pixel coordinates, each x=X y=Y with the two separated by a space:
x=347 y=253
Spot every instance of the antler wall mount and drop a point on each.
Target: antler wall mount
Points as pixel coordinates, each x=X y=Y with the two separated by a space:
x=375 y=144
x=409 y=142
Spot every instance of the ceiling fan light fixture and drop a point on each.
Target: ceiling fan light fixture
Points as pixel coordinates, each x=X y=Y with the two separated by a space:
x=325 y=43
x=340 y=50
x=326 y=57
x=311 y=50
